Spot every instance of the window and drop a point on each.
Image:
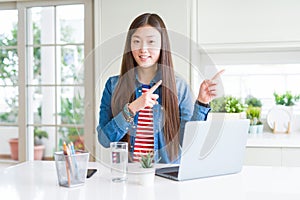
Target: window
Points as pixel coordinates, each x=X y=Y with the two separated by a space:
x=49 y=74
x=55 y=55
x=8 y=79
x=261 y=81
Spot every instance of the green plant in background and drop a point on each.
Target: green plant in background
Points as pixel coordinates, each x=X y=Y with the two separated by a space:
x=218 y=104
x=253 y=101
x=9 y=75
x=228 y=104
x=39 y=135
x=72 y=113
x=9 y=69
x=72 y=109
x=286 y=99
x=253 y=113
x=11 y=115
x=234 y=105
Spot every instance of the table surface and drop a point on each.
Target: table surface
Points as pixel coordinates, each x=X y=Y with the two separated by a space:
x=38 y=180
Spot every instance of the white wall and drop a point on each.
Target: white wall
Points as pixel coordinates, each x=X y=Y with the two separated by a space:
x=240 y=21
x=245 y=32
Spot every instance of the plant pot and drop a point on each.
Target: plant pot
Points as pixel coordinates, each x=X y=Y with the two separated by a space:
x=14 y=148
x=146 y=176
x=260 y=128
x=212 y=116
x=252 y=129
x=39 y=152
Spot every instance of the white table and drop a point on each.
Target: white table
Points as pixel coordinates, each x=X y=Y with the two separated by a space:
x=37 y=180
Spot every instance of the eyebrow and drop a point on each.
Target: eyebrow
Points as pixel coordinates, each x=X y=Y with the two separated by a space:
x=136 y=36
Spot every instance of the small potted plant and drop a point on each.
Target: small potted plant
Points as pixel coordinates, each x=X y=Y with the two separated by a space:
x=39 y=146
x=146 y=177
x=253 y=101
x=253 y=113
x=260 y=126
x=286 y=99
x=228 y=107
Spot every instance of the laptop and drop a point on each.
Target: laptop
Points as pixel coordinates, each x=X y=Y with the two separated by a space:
x=210 y=148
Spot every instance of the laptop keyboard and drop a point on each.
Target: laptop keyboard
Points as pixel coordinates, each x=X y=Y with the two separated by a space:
x=172 y=171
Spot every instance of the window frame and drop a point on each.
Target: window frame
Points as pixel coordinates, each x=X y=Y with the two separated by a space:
x=25 y=137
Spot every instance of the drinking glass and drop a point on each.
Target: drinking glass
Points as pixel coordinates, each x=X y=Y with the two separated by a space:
x=119 y=161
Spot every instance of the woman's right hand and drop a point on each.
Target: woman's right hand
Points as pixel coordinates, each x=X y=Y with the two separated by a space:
x=147 y=99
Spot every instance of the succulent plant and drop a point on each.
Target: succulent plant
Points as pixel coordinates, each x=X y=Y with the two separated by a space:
x=147 y=160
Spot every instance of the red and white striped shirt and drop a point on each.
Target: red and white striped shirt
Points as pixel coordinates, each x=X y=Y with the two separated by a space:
x=144 y=139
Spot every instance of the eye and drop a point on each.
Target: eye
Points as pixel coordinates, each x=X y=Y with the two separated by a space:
x=151 y=41
x=135 y=41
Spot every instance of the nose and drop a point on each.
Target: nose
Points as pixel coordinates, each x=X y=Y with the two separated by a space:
x=144 y=46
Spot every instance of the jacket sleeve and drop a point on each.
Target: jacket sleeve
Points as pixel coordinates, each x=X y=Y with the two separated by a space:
x=110 y=128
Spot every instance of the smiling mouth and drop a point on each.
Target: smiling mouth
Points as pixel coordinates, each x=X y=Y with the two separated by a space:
x=144 y=58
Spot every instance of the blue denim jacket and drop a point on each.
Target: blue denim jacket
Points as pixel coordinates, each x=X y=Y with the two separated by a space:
x=114 y=128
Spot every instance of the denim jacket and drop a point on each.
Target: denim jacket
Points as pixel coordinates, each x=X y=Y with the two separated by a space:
x=114 y=128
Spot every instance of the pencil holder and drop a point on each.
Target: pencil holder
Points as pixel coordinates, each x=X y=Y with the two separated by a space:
x=71 y=169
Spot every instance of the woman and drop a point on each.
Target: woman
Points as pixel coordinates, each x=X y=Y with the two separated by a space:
x=147 y=105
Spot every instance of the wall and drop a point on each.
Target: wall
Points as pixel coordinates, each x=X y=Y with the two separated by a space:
x=235 y=21
x=249 y=32
x=246 y=32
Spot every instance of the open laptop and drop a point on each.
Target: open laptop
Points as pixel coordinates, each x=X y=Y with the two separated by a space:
x=210 y=148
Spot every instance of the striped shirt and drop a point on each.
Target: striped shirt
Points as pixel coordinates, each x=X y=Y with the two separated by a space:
x=144 y=139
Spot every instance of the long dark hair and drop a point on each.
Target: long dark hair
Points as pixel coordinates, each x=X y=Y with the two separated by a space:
x=125 y=89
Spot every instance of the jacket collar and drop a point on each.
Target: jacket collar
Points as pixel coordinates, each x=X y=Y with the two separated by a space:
x=156 y=78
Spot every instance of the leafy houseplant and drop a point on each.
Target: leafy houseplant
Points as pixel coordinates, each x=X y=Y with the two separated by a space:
x=218 y=105
x=72 y=113
x=253 y=101
x=286 y=99
x=228 y=104
x=234 y=105
x=253 y=113
x=39 y=147
x=39 y=135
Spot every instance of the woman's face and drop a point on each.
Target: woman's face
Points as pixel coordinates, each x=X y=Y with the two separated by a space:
x=146 y=45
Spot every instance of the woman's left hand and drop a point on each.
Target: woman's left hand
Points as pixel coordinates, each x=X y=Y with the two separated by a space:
x=207 y=90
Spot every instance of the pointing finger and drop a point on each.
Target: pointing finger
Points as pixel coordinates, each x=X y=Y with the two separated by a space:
x=218 y=74
x=154 y=96
x=154 y=87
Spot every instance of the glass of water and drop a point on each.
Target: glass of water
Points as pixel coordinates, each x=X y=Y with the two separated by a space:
x=119 y=161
